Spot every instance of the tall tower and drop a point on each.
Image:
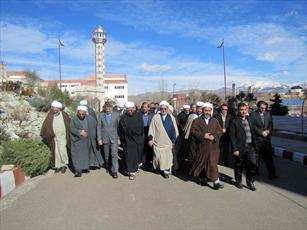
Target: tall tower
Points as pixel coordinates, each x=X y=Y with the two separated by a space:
x=234 y=90
x=99 y=37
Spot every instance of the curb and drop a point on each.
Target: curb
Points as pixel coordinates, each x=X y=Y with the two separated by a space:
x=10 y=179
x=290 y=155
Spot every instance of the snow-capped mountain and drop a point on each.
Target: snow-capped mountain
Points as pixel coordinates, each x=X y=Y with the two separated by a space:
x=266 y=86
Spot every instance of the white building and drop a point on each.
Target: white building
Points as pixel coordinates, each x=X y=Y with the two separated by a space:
x=115 y=87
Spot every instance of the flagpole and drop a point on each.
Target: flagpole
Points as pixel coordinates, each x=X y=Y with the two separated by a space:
x=60 y=77
x=222 y=46
x=224 y=73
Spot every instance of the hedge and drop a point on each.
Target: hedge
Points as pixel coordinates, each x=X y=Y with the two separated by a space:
x=33 y=156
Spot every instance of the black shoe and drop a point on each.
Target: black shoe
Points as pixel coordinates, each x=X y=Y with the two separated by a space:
x=202 y=181
x=239 y=185
x=165 y=175
x=218 y=186
x=251 y=186
x=63 y=169
x=78 y=174
x=114 y=175
x=272 y=177
x=57 y=170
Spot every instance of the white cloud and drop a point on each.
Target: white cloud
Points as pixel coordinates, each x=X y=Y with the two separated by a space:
x=268 y=56
x=25 y=39
x=153 y=68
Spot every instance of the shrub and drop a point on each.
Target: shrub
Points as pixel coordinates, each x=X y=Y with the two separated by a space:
x=32 y=156
x=39 y=103
x=1 y=155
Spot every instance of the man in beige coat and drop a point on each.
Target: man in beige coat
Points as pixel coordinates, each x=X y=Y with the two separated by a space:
x=162 y=134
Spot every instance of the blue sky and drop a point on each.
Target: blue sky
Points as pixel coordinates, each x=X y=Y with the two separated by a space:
x=160 y=42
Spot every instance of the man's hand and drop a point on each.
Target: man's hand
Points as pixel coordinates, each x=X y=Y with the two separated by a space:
x=152 y=143
x=83 y=133
x=209 y=136
x=265 y=133
x=118 y=142
x=224 y=130
x=99 y=142
x=236 y=153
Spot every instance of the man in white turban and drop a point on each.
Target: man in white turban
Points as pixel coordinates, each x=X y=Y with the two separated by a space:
x=206 y=131
x=182 y=145
x=162 y=134
x=131 y=133
x=84 y=152
x=55 y=134
x=90 y=110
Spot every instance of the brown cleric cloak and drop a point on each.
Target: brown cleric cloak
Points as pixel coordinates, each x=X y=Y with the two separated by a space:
x=48 y=135
x=206 y=158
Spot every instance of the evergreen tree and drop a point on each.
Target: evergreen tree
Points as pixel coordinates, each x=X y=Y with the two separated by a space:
x=277 y=108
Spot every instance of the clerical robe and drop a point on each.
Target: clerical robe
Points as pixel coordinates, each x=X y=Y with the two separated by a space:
x=84 y=152
x=58 y=142
x=164 y=148
x=206 y=158
x=131 y=133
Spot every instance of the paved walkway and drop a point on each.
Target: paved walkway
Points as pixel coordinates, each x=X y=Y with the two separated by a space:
x=292 y=124
x=96 y=201
x=291 y=145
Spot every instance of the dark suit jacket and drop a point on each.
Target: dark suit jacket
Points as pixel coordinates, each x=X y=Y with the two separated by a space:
x=260 y=127
x=108 y=132
x=237 y=134
x=220 y=120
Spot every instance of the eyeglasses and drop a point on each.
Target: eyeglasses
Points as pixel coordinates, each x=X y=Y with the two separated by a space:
x=163 y=108
x=224 y=109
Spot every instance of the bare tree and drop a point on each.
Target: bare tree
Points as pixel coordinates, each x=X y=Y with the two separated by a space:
x=32 y=77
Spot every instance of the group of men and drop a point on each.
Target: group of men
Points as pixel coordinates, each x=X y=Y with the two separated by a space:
x=197 y=140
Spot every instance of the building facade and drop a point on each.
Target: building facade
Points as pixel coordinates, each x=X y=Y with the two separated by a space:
x=115 y=87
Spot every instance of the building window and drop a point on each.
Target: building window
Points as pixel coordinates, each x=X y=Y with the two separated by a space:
x=119 y=87
x=119 y=96
x=106 y=87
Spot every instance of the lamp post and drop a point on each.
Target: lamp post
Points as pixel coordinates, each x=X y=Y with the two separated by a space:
x=222 y=46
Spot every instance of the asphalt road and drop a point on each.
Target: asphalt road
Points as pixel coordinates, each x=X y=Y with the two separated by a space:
x=96 y=201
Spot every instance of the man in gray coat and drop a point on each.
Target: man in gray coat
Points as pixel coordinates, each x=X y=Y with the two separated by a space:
x=84 y=151
x=107 y=136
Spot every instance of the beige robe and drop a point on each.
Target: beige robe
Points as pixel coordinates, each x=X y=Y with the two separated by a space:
x=187 y=127
x=61 y=156
x=163 y=150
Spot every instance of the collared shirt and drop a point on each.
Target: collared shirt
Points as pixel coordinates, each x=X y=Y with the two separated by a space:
x=207 y=120
x=163 y=117
x=145 y=119
x=224 y=120
x=108 y=118
x=262 y=117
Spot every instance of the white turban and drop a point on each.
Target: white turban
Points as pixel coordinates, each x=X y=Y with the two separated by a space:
x=186 y=106
x=171 y=108
x=200 y=104
x=57 y=104
x=82 y=108
x=129 y=104
x=83 y=102
x=164 y=103
x=208 y=104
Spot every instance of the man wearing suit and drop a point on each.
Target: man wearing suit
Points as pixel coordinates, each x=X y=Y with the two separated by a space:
x=244 y=146
x=107 y=136
x=264 y=128
x=224 y=118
